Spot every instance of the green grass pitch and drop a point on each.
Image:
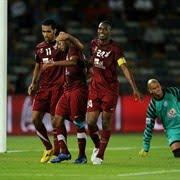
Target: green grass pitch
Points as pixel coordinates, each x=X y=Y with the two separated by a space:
x=121 y=160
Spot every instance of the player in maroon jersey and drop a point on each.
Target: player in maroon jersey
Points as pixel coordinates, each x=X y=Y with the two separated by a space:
x=73 y=102
x=47 y=84
x=103 y=88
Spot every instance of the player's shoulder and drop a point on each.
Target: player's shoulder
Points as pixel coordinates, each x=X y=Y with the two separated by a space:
x=73 y=50
x=152 y=102
x=171 y=89
x=42 y=44
x=94 y=42
x=115 y=44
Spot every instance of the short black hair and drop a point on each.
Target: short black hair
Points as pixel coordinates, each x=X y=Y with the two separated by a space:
x=49 y=22
x=106 y=22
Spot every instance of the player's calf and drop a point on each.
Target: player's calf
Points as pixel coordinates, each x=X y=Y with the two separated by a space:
x=176 y=153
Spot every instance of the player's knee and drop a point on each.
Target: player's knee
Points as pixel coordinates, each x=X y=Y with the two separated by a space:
x=58 y=121
x=80 y=123
x=106 y=124
x=91 y=122
x=176 y=153
x=54 y=124
x=37 y=122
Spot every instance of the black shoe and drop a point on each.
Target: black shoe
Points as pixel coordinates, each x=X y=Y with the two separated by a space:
x=81 y=160
x=61 y=157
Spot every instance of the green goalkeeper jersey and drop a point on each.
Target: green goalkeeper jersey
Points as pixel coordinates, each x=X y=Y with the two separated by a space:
x=167 y=109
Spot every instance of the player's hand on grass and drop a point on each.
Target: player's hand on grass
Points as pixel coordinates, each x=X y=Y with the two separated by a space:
x=143 y=153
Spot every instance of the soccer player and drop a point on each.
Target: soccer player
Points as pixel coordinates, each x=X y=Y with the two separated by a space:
x=164 y=105
x=73 y=102
x=48 y=84
x=103 y=88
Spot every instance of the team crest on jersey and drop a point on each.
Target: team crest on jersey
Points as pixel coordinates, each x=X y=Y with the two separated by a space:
x=165 y=104
x=41 y=50
x=89 y=104
x=171 y=113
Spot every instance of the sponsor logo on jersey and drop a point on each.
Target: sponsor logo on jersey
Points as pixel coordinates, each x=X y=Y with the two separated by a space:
x=171 y=113
x=102 y=54
x=41 y=50
x=98 y=63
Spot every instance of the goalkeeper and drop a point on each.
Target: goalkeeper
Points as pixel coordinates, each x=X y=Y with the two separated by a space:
x=164 y=105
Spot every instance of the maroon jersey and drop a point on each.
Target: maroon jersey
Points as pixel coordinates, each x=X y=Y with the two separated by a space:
x=75 y=75
x=52 y=76
x=104 y=58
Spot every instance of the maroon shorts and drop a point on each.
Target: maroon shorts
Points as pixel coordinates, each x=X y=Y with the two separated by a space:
x=102 y=101
x=73 y=103
x=46 y=99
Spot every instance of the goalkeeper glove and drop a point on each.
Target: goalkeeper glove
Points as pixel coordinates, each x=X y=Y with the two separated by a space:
x=143 y=153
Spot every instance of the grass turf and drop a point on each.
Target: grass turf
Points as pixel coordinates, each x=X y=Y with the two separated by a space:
x=121 y=160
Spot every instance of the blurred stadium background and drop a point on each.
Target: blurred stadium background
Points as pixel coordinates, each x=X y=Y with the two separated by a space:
x=147 y=30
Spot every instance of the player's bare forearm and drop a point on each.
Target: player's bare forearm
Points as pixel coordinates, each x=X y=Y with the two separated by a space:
x=76 y=42
x=36 y=74
x=65 y=63
x=129 y=77
x=65 y=36
x=35 y=80
x=131 y=81
x=71 y=62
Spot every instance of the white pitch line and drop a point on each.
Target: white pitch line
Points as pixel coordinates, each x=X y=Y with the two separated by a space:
x=87 y=175
x=109 y=149
x=48 y=175
x=149 y=173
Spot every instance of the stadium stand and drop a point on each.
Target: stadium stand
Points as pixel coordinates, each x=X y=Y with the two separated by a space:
x=24 y=17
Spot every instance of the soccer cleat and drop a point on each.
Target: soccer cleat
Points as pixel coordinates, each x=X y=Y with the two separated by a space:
x=46 y=156
x=94 y=154
x=97 y=161
x=61 y=157
x=52 y=157
x=143 y=153
x=81 y=160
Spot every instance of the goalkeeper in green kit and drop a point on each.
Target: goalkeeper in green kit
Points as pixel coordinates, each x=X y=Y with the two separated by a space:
x=164 y=105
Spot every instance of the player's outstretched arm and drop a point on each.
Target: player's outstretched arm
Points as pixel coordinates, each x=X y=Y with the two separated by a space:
x=147 y=136
x=71 y=62
x=75 y=41
x=131 y=80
